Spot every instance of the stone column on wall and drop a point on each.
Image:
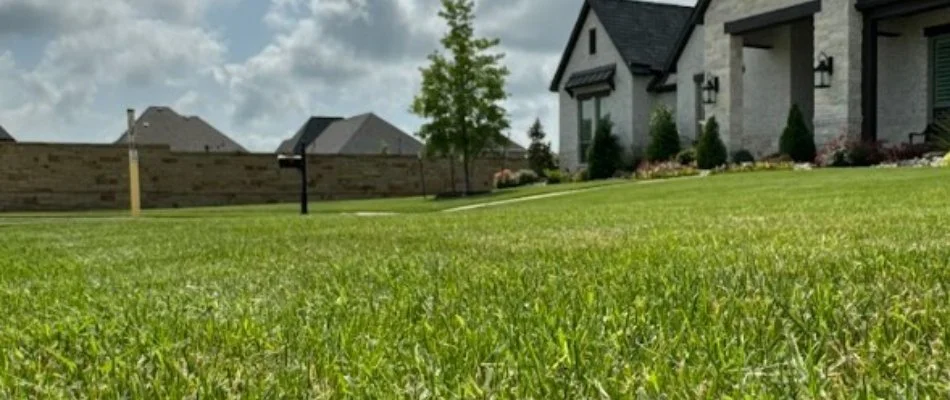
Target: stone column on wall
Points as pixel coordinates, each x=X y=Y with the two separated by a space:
x=733 y=90
x=725 y=62
x=838 y=29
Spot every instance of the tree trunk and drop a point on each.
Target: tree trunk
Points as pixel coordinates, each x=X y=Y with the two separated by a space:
x=468 y=186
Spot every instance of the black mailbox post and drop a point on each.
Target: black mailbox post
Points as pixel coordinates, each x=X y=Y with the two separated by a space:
x=298 y=162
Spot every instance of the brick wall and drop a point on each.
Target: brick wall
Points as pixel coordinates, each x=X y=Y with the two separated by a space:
x=78 y=177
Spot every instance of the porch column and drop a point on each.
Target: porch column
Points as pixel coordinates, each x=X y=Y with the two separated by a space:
x=734 y=89
x=869 y=78
x=839 y=29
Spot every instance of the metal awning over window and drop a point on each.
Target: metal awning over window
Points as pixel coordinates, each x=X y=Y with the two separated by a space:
x=603 y=75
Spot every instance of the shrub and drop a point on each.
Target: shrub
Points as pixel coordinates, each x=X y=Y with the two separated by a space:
x=605 y=152
x=743 y=156
x=797 y=141
x=527 y=177
x=580 y=176
x=907 y=151
x=711 y=152
x=847 y=151
x=664 y=138
x=946 y=160
x=555 y=176
x=777 y=158
x=540 y=156
x=505 y=179
x=687 y=157
x=664 y=170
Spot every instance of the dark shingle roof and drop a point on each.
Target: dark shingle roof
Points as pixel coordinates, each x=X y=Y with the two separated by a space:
x=643 y=32
x=364 y=134
x=6 y=136
x=307 y=133
x=593 y=76
x=163 y=126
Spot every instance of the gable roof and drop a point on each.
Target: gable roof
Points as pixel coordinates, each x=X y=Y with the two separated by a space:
x=364 y=134
x=307 y=133
x=697 y=18
x=643 y=32
x=163 y=126
x=6 y=136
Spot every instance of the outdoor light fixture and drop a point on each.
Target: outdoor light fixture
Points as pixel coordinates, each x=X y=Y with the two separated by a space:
x=824 y=71
x=710 y=89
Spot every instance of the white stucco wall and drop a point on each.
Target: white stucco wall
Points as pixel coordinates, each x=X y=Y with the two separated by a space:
x=689 y=64
x=619 y=104
x=904 y=86
x=766 y=92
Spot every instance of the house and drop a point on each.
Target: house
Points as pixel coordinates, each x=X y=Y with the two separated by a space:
x=874 y=69
x=616 y=49
x=163 y=126
x=6 y=136
x=307 y=133
x=361 y=135
x=510 y=149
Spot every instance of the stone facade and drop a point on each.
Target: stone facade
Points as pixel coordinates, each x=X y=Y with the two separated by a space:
x=79 y=177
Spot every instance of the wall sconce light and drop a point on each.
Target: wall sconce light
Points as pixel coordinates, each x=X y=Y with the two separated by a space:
x=824 y=71
x=710 y=89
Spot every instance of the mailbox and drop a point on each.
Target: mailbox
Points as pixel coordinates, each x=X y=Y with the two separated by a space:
x=298 y=162
x=290 y=162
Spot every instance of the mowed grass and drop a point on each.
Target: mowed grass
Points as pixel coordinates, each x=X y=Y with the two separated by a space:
x=823 y=284
x=417 y=204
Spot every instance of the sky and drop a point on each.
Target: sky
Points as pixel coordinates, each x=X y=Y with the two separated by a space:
x=255 y=69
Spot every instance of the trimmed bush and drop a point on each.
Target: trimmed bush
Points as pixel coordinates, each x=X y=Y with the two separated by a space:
x=687 y=157
x=743 y=156
x=946 y=160
x=605 y=154
x=797 y=141
x=555 y=176
x=527 y=177
x=540 y=156
x=777 y=158
x=711 y=152
x=505 y=179
x=664 y=138
x=579 y=176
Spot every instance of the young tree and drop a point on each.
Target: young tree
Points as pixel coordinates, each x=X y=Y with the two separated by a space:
x=461 y=93
x=540 y=156
x=797 y=141
x=605 y=155
x=711 y=152
x=664 y=138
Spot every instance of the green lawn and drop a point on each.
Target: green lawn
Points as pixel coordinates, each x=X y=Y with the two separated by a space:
x=822 y=284
x=418 y=204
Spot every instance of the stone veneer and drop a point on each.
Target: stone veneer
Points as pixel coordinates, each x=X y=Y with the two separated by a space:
x=37 y=177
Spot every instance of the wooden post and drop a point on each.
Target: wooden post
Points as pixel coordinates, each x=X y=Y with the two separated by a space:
x=134 y=189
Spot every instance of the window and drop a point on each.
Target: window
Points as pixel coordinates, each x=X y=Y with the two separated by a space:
x=940 y=62
x=588 y=117
x=593 y=41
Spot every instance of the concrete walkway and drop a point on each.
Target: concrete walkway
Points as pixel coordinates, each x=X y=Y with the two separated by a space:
x=522 y=199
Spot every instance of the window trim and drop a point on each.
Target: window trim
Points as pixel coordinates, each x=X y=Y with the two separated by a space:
x=932 y=74
x=597 y=98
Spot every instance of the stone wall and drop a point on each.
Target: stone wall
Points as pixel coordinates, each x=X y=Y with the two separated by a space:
x=37 y=177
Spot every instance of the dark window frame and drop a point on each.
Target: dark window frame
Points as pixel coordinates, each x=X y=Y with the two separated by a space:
x=592 y=41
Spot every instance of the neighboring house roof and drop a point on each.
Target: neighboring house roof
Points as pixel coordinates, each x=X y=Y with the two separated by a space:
x=6 y=136
x=643 y=33
x=364 y=134
x=163 y=126
x=307 y=133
